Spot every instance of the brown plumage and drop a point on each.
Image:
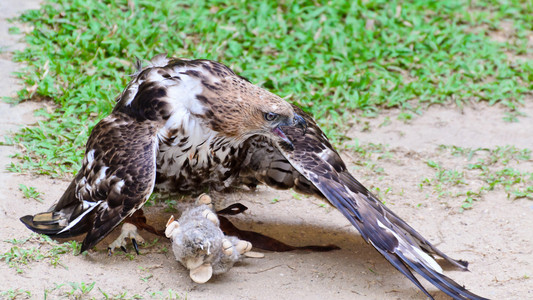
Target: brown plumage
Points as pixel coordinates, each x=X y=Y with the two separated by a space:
x=193 y=125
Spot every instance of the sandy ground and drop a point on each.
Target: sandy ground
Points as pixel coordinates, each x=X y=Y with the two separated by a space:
x=495 y=237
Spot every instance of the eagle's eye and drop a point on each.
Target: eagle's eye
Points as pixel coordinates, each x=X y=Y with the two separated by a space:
x=270 y=116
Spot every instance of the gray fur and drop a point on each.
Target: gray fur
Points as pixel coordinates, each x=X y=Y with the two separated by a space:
x=199 y=240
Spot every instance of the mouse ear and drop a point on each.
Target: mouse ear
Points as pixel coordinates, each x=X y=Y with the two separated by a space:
x=171 y=227
x=201 y=274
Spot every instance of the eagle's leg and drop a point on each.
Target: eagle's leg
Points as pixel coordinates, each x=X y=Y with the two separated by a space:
x=128 y=231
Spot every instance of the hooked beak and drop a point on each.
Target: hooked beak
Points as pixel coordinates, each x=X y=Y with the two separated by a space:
x=298 y=121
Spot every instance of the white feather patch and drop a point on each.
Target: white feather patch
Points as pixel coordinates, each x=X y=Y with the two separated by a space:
x=118 y=186
x=90 y=159
x=91 y=206
x=428 y=260
x=101 y=175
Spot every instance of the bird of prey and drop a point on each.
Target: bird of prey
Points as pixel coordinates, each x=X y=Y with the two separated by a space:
x=190 y=125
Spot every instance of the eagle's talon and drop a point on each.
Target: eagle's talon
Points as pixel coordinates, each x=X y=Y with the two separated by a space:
x=135 y=246
x=128 y=231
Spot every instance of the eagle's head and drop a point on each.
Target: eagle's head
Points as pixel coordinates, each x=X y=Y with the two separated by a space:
x=268 y=116
x=236 y=108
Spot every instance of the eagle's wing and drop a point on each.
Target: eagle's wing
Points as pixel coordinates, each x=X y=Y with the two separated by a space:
x=314 y=165
x=116 y=178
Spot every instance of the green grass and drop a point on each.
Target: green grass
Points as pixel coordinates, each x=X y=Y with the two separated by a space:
x=83 y=290
x=368 y=155
x=460 y=173
x=79 y=289
x=36 y=248
x=30 y=192
x=15 y=294
x=339 y=61
x=505 y=167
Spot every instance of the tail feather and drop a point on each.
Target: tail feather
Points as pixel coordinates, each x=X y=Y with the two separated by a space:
x=50 y=224
x=68 y=222
x=400 y=265
x=444 y=283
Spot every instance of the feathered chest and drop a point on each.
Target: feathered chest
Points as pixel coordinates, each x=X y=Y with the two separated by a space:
x=193 y=158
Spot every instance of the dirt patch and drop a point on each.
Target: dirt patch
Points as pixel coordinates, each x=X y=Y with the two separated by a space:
x=495 y=236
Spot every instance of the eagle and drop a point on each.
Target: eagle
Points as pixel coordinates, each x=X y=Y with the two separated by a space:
x=185 y=126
